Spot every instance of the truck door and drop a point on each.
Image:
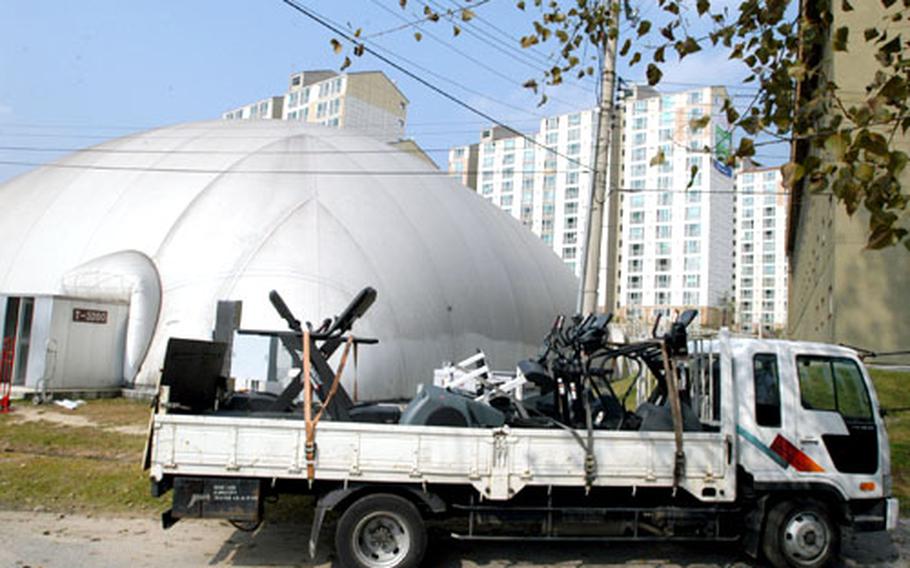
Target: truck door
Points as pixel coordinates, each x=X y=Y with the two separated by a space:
x=835 y=420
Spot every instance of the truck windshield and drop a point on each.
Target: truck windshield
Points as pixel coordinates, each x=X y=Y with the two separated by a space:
x=835 y=384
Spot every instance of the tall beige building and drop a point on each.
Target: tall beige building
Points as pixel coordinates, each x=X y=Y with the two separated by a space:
x=760 y=262
x=367 y=101
x=839 y=291
x=676 y=240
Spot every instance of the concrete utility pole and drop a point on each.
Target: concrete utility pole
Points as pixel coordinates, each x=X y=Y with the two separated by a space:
x=591 y=268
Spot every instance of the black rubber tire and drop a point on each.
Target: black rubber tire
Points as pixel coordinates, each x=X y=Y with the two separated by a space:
x=775 y=534
x=405 y=515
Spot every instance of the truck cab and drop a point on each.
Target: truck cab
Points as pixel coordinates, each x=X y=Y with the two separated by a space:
x=811 y=443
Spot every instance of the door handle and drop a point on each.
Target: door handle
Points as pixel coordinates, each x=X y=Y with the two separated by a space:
x=810 y=441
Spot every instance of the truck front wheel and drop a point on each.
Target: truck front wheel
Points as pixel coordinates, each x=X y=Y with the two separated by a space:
x=800 y=534
x=381 y=531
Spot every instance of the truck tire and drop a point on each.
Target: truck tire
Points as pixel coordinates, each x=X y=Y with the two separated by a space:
x=381 y=531
x=800 y=534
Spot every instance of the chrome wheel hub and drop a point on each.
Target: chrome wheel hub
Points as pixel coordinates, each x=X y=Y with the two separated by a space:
x=381 y=540
x=806 y=538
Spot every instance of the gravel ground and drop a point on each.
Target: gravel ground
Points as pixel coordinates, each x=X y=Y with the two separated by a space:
x=49 y=540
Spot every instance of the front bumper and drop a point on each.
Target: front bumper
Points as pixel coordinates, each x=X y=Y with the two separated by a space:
x=868 y=515
x=892 y=514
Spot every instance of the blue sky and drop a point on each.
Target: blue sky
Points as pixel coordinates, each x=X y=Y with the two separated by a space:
x=73 y=74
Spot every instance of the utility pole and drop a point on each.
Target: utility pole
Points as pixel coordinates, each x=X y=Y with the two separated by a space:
x=605 y=129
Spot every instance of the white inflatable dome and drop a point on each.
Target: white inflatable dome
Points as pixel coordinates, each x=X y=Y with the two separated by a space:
x=228 y=210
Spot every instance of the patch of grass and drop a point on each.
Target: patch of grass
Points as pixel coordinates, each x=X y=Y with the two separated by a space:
x=893 y=388
x=109 y=411
x=75 y=484
x=47 y=438
x=56 y=467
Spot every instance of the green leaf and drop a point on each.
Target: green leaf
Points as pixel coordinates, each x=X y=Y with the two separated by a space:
x=846 y=6
x=644 y=27
x=653 y=73
x=839 y=42
x=746 y=148
x=467 y=15
x=625 y=48
x=881 y=236
x=418 y=36
x=836 y=146
x=659 y=158
x=702 y=6
x=870 y=33
x=864 y=171
x=336 y=45
x=792 y=173
x=699 y=123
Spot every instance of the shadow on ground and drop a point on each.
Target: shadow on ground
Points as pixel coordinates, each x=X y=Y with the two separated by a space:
x=285 y=544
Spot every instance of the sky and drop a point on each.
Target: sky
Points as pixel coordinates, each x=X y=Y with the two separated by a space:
x=73 y=74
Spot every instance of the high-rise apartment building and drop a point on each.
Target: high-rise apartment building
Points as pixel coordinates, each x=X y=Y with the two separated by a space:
x=544 y=182
x=676 y=248
x=271 y=107
x=368 y=101
x=463 y=164
x=760 y=270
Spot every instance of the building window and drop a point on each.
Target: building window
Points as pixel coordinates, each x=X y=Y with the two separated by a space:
x=568 y=253
x=574 y=134
x=692 y=263
x=665 y=198
x=634 y=282
x=663 y=248
x=662 y=281
x=691 y=281
x=662 y=265
x=552 y=138
x=574 y=119
x=571 y=193
x=636 y=233
x=693 y=230
x=690 y=298
x=662 y=231
x=637 y=201
x=636 y=249
x=637 y=217
x=693 y=247
x=505 y=201
x=663 y=215
x=693 y=213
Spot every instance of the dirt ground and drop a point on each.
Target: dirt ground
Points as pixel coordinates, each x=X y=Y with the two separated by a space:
x=47 y=540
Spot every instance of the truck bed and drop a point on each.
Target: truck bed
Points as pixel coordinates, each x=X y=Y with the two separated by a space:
x=498 y=462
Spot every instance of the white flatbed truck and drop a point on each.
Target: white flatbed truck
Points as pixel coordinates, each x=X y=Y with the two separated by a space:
x=791 y=447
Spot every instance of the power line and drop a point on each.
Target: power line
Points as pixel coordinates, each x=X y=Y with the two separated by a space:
x=363 y=173
x=335 y=29
x=469 y=57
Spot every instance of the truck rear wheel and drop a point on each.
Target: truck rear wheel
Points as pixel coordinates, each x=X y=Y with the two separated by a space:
x=381 y=531
x=800 y=534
